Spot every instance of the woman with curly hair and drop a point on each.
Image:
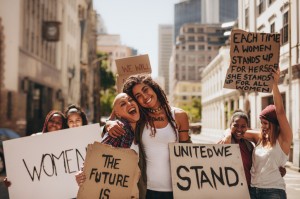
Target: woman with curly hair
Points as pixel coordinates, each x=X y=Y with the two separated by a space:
x=162 y=125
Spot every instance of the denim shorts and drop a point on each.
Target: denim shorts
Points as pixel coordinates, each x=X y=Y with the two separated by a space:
x=260 y=193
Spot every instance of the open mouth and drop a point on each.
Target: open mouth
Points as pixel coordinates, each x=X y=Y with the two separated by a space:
x=132 y=111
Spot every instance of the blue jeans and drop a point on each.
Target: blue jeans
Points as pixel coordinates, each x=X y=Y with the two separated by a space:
x=260 y=193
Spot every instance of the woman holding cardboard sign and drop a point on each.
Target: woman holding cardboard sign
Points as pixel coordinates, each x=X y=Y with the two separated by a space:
x=162 y=125
x=272 y=149
x=126 y=110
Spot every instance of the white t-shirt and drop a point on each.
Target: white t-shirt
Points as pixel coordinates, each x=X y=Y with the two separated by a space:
x=157 y=158
x=265 y=167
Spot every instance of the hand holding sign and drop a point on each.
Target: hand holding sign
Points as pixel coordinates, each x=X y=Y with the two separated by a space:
x=253 y=58
x=110 y=173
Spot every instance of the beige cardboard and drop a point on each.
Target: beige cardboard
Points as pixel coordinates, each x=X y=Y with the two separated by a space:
x=123 y=164
x=253 y=55
x=131 y=66
x=193 y=165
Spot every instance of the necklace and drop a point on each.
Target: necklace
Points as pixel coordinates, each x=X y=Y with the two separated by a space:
x=155 y=110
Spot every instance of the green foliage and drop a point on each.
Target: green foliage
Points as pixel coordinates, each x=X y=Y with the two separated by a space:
x=194 y=111
x=107 y=79
x=106 y=100
x=107 y=85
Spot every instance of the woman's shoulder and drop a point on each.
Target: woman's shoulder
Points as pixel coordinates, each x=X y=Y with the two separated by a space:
x=178 y=110
x=180 y=114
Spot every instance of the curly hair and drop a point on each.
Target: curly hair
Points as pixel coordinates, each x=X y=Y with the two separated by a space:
x=76 y=109
x=161 y=96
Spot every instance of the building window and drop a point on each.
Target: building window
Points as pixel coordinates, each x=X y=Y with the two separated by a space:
x=285 y=29
x=201 y=47
x=200 y=30
x=261 y=6
x=272 y=28
x=247 y=18
x=191 y=47
x=190 y=30
x=191 y=38
x=271 y=1
x=201 y=38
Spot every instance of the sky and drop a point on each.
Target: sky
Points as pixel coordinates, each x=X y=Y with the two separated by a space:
x=137 y=21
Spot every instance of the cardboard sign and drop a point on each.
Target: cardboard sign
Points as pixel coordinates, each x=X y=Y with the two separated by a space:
x=44 y=166
x=207 y=171
x=131 y=66
x=110 y=173
x=253 y=55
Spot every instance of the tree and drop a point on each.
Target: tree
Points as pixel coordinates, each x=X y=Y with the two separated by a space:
x=107 y=86
x=194 y=111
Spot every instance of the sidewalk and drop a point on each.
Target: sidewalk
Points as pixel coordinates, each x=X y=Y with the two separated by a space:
x=291 y=166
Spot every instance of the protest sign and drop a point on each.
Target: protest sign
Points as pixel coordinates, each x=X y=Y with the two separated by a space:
x=207 y=171
x=131 y=66
x=110 y=173
x=253 y=56
x=44 y=166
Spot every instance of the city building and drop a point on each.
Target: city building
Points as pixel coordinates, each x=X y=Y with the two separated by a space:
x=271 y=16
x=89 y=72
x=196 y=45
x=165 y=43
x=112 y=45
x=40 y=60
x=204 y=11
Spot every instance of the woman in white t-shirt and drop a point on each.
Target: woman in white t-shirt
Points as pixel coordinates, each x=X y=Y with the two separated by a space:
x=162 y=125
x=272 y=150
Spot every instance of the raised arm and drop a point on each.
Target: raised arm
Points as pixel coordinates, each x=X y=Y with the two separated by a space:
x=285 y=136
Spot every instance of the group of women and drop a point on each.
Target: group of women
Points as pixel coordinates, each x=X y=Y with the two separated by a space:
x=147 y=121
x=55 y=120
x=264 y=154
x=264 y=160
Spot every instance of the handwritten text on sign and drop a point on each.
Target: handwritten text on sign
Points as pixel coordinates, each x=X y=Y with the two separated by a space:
x=207 y=171
x=131 y=66
x=110 y=172
x=253 y=58
x=44 y=166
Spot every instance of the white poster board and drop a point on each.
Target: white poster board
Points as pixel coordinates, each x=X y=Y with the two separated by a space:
x=207 y=171
x=44 y=166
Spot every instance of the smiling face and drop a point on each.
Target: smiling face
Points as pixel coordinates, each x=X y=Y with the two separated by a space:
x=55 y=123
x=238 y=127
x=125 y=107
x=146 y=96
x=265 y=128
x=74 y=120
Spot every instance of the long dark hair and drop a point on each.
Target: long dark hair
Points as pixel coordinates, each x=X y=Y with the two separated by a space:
x=161 y=97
